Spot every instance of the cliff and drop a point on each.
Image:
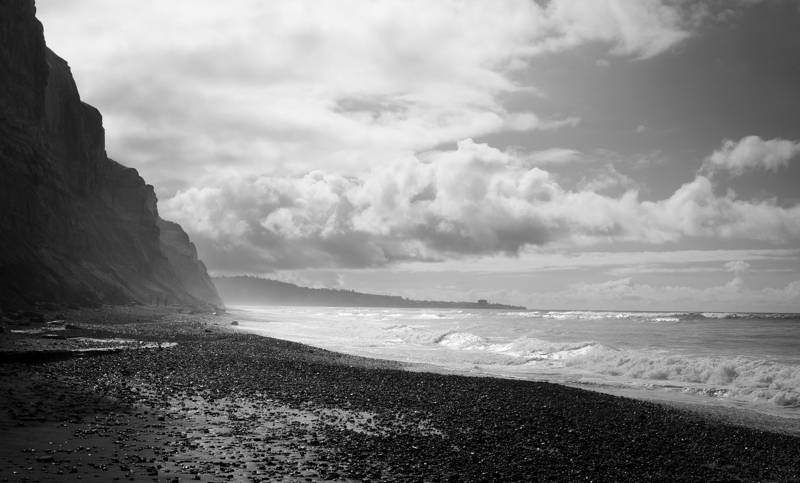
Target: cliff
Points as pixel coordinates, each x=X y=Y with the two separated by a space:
x=77 y=226
x=244 y=290
x=182 y=255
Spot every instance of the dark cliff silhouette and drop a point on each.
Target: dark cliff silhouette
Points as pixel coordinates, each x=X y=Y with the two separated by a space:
x=245 y=290
x=77 y=227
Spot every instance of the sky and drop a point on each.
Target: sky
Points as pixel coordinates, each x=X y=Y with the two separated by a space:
x=562 y=154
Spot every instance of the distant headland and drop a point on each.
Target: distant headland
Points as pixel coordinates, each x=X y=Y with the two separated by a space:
x=246 y=290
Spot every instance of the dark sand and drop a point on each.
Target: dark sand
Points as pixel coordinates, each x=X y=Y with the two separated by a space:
x=228 y=406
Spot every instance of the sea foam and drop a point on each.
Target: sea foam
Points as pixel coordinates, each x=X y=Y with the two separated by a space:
x=719 y=376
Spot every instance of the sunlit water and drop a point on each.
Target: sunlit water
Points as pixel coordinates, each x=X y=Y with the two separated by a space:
x=746 y=360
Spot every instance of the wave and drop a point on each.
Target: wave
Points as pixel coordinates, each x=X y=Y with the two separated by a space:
x=464 y=341
x=521 y=351
x=755 y=380
x=758 y=380
x=749 y=315
x=649 y=316
x=535 y=313
x=414 y=335
x=425 y=316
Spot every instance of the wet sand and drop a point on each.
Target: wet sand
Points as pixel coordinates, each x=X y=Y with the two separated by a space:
x=227 y=406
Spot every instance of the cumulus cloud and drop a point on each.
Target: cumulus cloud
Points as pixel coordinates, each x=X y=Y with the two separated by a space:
x=643 y=28
x=285 y=87
x=737 y=267
x=659 y=269
x=533 y=259
x=473 y=201
x=606 y=179
x=752 y=152
x=625 y=293
x=553 y=156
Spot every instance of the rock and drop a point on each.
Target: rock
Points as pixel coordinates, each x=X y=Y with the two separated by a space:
x=235 y=322
x=77 y=226
x=53 y=336
x=182 y=254
x=73 y=306
x=34 y=317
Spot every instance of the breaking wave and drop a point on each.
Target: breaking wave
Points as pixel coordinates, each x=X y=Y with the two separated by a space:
x=652 y=316
x=671 y=351
x=716 y=376
x=757 y=380
x=520 y=351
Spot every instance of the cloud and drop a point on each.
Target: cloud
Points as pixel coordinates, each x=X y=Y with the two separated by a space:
x=642 y=29
x=658 y=269
x=737 y=267
x=475 y=201
x=695 y=211
x=552 y=156
x=606 y=179
x=533 y=259
x=627 y=295
x=285 y=87
x=750 y=153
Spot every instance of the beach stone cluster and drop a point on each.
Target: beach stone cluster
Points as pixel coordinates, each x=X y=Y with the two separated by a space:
x=240 y=407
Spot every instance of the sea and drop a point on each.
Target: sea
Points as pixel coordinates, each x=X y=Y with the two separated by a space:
x=744 y=360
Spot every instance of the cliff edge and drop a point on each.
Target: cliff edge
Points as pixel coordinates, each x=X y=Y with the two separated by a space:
x=77 y=227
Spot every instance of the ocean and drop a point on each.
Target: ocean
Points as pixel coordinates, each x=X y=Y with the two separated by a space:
x=745 y=360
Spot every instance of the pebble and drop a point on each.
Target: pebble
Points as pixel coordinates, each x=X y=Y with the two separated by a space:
x=227 y=403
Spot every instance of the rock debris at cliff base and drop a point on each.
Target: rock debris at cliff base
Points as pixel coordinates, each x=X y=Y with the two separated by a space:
x=227 y=406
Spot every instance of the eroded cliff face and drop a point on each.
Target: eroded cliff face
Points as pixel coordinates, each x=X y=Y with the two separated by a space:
x=182 y=255
x=75 y=226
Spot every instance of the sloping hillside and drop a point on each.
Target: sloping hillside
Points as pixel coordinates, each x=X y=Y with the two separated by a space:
x=246 y=290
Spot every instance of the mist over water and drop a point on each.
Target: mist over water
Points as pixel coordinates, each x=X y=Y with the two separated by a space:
x=745 y=360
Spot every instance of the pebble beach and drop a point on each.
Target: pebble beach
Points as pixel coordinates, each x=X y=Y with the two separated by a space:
x=173 y=395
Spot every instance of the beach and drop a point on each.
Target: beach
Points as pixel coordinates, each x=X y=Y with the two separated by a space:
x=186 y=397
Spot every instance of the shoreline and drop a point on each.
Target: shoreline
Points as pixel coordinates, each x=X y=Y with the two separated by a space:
x=763 y=416
x=223 y=405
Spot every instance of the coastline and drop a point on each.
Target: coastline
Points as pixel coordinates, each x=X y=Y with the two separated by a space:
x=224 y=405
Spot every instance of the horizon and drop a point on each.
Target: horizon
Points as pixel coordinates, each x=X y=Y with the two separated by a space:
x=490 y=302
x=600 y=156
